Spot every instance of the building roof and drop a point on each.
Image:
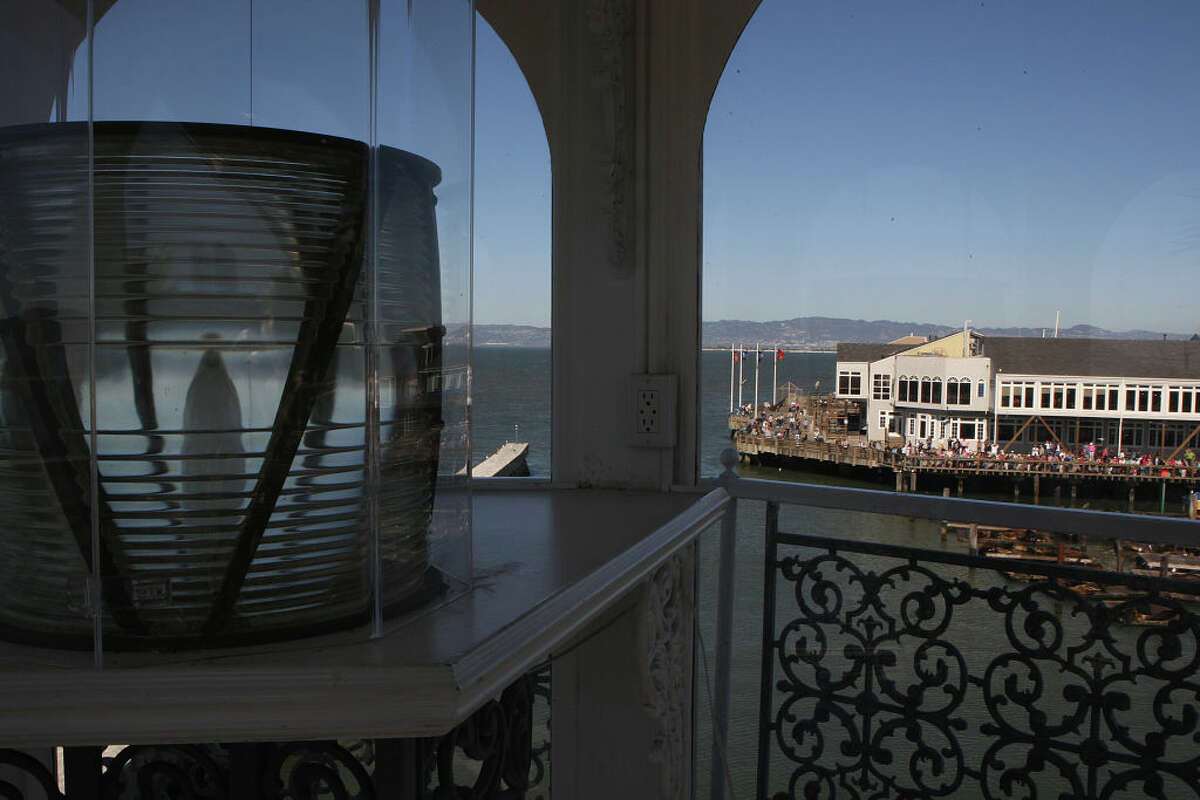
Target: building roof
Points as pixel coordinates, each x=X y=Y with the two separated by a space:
x=911 y=339
x=856 y=351
x=1133 y=358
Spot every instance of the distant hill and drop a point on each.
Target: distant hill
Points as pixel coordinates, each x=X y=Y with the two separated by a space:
x=824 y=333
x=815 y=333
x=512 y=335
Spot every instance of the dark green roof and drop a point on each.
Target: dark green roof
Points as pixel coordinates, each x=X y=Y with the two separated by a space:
x=1130 y=358
x=855 y=351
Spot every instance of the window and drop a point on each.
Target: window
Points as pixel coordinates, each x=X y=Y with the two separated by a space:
x=1006 y=395
x=1088 y=393
x=958 y=391
x=1185 y=402
x=885 y=420
x=849 y=382
x=937 y=390
x=981 y=390
x=881 y=387
x=926 y=391
x=1045 y=397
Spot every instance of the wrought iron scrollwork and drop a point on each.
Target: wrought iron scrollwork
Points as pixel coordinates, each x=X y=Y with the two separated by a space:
x=886 y=683
x=539 y=757
x=499 y=739
x=27 y=765
x=314 y=771
x=166 y=772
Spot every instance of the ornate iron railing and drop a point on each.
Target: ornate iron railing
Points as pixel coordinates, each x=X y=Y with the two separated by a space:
x=891 y=670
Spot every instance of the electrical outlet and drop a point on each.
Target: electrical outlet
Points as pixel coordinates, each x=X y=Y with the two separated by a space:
x=647 y=411
x=653 y=410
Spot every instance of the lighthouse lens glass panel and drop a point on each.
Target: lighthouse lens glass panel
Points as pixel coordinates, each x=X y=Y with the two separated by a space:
x=47 y=564
x=268 y=321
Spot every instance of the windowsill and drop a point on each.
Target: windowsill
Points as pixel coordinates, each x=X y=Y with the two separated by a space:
x=547 y=562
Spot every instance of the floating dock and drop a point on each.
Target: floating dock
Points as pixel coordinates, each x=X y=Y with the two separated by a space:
x=507 y=462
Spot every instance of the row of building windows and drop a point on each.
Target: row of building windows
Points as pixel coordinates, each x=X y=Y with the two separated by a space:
x=924 y=426
x=1103 y=433
x=1100 y=397
x=911 y=389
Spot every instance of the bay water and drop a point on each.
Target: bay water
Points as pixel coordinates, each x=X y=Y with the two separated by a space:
x=512 y=388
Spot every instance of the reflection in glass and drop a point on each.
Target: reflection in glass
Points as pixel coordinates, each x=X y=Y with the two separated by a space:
x=229 y=399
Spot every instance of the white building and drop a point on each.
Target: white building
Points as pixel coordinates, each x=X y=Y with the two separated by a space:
x=1136 y=395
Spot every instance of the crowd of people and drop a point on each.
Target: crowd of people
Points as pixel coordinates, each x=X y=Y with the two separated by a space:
x=797 y=424
x=792 y=422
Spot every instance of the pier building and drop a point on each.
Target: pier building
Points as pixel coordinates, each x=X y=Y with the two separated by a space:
x=1132 y=395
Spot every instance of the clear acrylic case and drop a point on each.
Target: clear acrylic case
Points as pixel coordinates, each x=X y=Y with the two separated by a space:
x=235 y=269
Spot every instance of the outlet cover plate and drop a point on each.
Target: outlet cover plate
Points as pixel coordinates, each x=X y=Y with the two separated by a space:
x=652 y=410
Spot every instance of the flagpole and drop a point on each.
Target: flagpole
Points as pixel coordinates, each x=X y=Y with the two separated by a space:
x=757 y=362
x=731 y=362
x=741 y=367
x=775 y=378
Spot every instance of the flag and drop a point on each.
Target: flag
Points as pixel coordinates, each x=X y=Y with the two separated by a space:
x=778 y=354
x=735 y=357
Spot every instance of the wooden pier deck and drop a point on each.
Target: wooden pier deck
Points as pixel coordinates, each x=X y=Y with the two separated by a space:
x=855 y=455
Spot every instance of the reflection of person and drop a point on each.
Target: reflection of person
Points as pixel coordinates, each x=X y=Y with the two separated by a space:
x=212 y=440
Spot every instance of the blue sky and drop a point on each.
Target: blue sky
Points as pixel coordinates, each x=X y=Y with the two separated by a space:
x=932 y=161
x=926 y=161
x=512 y=192
x=940 y=161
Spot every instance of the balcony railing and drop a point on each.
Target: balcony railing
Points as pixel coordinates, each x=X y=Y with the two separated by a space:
x=897 y=661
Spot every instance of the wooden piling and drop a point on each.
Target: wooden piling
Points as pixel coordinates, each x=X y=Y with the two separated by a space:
x=1037 y=489
x=1131 y=498
x=899 y=481
x=973 y=537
